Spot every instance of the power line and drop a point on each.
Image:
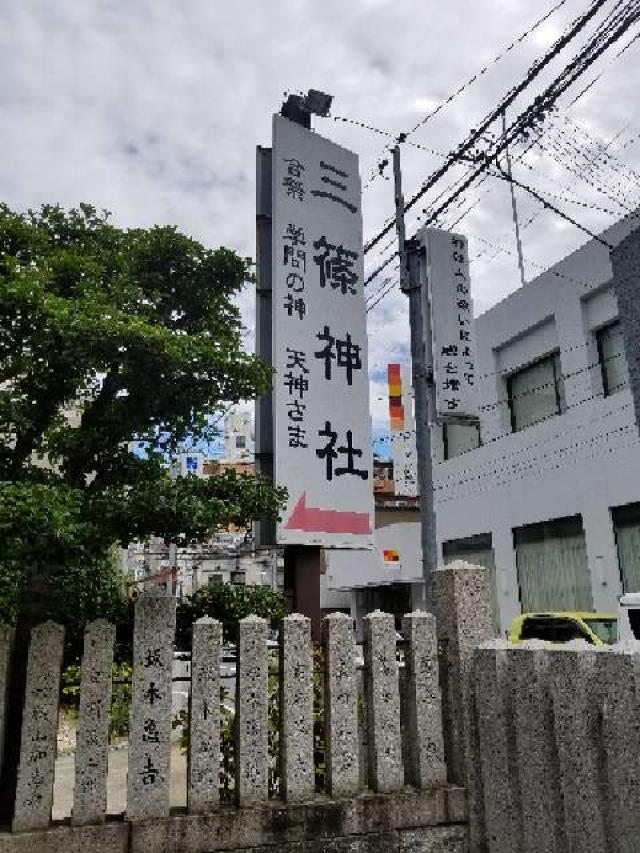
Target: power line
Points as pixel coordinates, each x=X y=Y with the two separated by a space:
x=476 y=135
x=547 y=204
x=402 y=137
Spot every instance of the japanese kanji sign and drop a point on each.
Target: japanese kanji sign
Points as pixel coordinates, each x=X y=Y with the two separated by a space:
x=322 y=434
x=451 y=323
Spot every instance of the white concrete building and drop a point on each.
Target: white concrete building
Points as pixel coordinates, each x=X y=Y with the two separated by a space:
x=239 y=437
x=545 y=490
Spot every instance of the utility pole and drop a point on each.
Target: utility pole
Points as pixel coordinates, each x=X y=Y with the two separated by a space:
x=413 y=283
x=514 y=207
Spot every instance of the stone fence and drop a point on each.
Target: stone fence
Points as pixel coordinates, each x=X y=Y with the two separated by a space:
x=556 y=737
x=406 y=804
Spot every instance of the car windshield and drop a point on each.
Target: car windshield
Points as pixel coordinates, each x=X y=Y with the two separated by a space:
x=605 y=629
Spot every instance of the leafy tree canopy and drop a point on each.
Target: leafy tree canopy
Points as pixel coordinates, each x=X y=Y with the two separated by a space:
x=228 y=603
x=109 y=336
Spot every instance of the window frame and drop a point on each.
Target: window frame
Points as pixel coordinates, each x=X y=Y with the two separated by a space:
x=606 y=391
x=554 y=358
x=445 y=441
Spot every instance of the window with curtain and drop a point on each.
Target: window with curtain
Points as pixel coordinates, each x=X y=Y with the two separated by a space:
x=477 y=550
x=460 y=437
x=536 y=393
x=613 y=359
x=626 y=525
x=551 y=560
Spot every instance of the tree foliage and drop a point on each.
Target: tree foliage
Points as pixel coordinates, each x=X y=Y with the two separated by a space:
x=228 y=603
x=110 y=337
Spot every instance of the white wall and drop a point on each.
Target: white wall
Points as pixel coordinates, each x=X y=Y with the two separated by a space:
x=584 y=461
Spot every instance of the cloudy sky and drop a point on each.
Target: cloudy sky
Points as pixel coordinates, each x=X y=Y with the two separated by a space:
x=153 y=108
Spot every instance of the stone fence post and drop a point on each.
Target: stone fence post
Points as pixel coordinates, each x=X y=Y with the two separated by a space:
x=6 y=644
x=340 y=707
x=203 y=784
x=464 y=620
x=150 y=728
x=92 y=741
x=39 y=737
x=424 y=705
x=575 y=694
x=383 y=700
x=296 y=706
x=252 y=713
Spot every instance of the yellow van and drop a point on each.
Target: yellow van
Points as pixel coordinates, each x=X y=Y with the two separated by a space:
x=599 y=629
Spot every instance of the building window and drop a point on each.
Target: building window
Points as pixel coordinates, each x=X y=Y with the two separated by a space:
x=613 y=359
x=241 y=442
x=477 y=550
x=551 y=560
x=460 y=437
x=626 y=526
x=536 y=393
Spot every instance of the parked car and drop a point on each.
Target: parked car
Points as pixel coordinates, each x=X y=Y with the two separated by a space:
x=629 y=616
x=598 y=629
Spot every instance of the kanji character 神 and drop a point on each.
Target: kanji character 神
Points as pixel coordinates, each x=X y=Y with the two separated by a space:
x=296 y=383
x=293 y=305
x=347 y=354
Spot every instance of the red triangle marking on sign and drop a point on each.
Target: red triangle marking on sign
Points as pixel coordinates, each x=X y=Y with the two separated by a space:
x=318 y=520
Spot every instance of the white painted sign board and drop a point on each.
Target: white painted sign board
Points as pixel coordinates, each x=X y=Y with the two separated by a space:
x=452 y=324
x=322 y=434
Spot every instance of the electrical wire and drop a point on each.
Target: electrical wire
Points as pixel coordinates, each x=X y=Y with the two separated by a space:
x=477 y=134
x=403 y=137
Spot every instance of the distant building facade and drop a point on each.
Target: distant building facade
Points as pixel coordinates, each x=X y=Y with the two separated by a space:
x=545 y=488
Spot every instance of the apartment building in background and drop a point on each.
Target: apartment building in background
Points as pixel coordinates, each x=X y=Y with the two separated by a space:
x=544 y=489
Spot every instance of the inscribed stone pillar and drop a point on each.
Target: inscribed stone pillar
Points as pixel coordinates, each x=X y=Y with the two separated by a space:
x=296 y=708
x=618 y=673
x=203 y=783
x=340 y=707
x=39 y=737
x=150 y=726
x=464 y=619
x=575 y=705
x=92 y=740
x=494 y=710
x=383 y=701
x=252 y=713
x=424 y=705
x=6 y=643
x=536 y=753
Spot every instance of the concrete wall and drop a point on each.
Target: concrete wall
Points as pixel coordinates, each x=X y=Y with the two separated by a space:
x=584 y=461
x=409 y=822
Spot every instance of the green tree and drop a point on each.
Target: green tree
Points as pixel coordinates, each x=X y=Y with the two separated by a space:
x=228 y=603
x=110 y=337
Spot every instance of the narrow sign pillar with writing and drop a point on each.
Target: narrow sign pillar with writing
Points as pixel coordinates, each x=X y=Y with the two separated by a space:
x=322 y=441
